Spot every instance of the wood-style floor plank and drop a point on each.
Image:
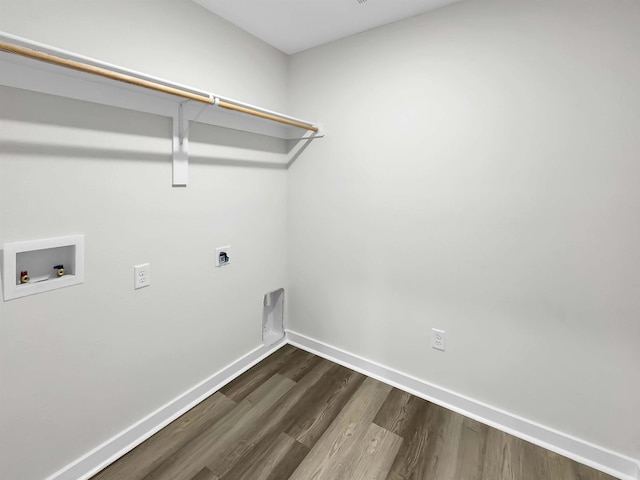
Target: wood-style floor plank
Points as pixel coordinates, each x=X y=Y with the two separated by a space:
x=221 y=460
x=190 y=455
x=187 y=461
x=533 y=463
x=149 y=454
x=299 y=364
x=502 y=457
x=397 y=411
x=561 y=467
x=296 y=416
x=205 y=474
x=510 y=458
x=472 y=450
x=415 y=456
x=280 y=456
x=558 y=467
x=315 y=413
x=445 y=438
x=311 y=407
x=377 y=455
x=332 y=457
x=258 y=374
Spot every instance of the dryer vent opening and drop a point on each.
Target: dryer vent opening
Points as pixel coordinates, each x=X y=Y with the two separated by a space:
x=273 y=317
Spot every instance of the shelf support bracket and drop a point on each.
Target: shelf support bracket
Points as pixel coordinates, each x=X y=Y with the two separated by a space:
x=180 y=147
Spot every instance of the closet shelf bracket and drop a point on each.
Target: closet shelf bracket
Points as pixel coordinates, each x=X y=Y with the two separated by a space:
x=180 y=143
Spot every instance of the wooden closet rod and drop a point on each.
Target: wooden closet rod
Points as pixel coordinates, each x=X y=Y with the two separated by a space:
x=102 y=72
x=267 y=116
x=121 y=77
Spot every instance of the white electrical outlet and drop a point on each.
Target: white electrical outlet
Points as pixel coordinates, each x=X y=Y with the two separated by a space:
x=141 y=276
x=223 y=256
x=438 y=338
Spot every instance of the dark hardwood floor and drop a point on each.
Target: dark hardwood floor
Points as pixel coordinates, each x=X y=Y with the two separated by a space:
x=297 y=416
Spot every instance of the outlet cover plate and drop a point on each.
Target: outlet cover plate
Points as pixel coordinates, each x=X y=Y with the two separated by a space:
x=438 y=338
x=141 y=276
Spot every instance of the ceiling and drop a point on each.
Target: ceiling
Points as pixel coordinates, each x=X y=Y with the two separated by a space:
x=295 y=25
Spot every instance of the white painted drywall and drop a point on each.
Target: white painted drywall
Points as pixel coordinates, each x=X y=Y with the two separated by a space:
x=79 y=365
x=480 y=175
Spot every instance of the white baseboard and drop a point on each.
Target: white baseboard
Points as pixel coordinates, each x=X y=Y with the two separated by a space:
x=101 y=456
x=594 y=456
x=607 y=461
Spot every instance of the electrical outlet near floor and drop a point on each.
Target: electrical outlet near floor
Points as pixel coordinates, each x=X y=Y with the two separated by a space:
x=438 y=338
x=141 y=276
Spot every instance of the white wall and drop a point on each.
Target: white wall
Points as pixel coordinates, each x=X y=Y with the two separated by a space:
x=80 y=364
x=480 y=175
